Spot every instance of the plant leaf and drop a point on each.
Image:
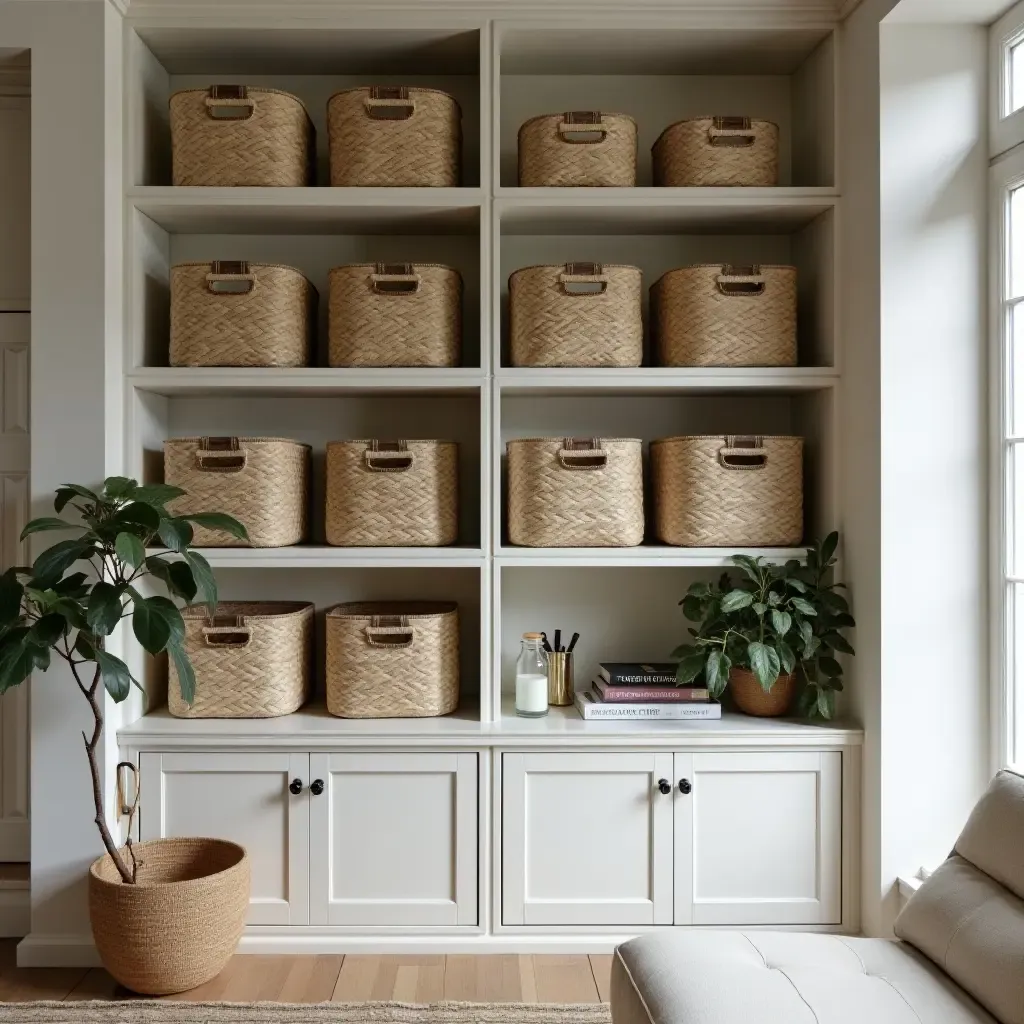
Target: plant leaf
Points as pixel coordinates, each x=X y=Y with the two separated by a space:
x=130 y=549
x=11 y=592
x=716 y=673
x=17 y=659
x=85 y=646
x=157 y=494
x=157 y=623
x=736 y=599
x=834 y=602
x=47 y=523
x=56 y=560
x=787 y=658
x=826 y=704
x=45 y=632
x=217 y=521
x=175 y=534
x=764 y=661
x=138 y=514
x=838 y=643
x=183 y=668
x=73 y=586
x=689 y=668
x=119 y=487
x=781 y=621
x=103 y=612
x=751 y=566
x=205 y=580
x=798 y=585
x=759 y=609
x=828 y=547
x=803 y=606
x=830 y=666
x=116 y=677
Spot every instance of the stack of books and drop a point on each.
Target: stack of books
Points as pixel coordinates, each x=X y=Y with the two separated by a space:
x=644 y=691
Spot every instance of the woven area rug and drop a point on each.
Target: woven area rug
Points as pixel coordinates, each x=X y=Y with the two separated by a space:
x=151 y=1012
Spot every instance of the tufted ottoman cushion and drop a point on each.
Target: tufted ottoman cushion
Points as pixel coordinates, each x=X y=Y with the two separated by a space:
x=712 y=977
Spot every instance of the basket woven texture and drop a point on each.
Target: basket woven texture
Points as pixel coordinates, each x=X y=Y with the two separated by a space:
x=749 y=697
x=397 y=493
x=567 y=492
x=394 y=137
x=235 y=135
x=580 y=147
x=715 y=315
x=383 y=314
x=724 y=491
x=241 y=314
x=262 y=481
x=576 y=314
x=178 y=926
x=717 y=151
x=252 y=659
x=392 y=659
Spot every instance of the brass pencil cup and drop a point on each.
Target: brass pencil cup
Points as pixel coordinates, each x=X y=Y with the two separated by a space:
x=560 y=681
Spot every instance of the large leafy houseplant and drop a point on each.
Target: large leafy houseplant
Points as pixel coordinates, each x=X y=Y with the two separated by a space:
x=773 y=619
x=51 y=607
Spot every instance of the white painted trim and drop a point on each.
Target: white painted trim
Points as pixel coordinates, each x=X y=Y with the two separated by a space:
x=39 y=949
x=14 y=833
x=1006 y=130
x=15 y=912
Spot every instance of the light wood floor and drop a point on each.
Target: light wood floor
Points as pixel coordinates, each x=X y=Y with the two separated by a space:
x=313 y=979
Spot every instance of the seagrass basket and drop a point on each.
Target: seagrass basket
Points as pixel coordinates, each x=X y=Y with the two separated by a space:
x=718 y=151
x=262 y=481
x=392 y=493
x=394 y=136
x=252 y=659
x=567 y=492
x=579 y=147
x=178 y=926
x=392 y=659
x=749 y=696
x=241 y=314
x=395 y=314
x=728 y=491
x=576 y=314
x=715 y=315
x=239 y=135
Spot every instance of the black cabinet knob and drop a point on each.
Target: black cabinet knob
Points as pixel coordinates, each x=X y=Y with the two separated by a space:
x=685 y=786
x=664 y=786
x=316 y=787
x=296 y=786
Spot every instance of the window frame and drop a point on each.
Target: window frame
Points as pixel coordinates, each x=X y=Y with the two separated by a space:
x=1006 y=129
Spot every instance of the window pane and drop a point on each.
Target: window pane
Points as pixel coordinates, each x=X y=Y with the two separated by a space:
x=1016 y=243
x=1016 y=77
x=1015 y=672
x=1015 y=496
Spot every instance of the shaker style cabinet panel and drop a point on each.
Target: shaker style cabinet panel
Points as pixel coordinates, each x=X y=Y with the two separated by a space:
x=393 y=839
x=586 y=839
x=244 y=798
x=758 y=838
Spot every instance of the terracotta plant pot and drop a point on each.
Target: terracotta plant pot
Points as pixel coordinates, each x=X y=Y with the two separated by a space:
x=178 y=926
x=749 y=697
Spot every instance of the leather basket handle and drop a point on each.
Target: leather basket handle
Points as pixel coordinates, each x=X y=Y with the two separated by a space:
x=583 y=279
x=388 y=457
x=395 y=279
x=230 y=278
x=582 y=454
x=389 y=632
x=748 y=281
x=582 y=128
x=734 y=132
x=743 y=453
x=221 y=455
x=389 y=103
x=229 y=103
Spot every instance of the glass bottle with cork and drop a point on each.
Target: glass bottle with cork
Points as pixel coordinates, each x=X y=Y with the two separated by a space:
x=532 y=677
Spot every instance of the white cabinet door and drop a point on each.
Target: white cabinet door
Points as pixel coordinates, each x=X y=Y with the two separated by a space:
x=394 y=839
x=244 y=798
x=758 y=838
x=586 y=839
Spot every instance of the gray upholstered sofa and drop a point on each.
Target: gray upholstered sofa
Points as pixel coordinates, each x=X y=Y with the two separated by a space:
x=959 y=958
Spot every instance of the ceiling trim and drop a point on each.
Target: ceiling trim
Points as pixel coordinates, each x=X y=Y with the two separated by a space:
x=847 y=7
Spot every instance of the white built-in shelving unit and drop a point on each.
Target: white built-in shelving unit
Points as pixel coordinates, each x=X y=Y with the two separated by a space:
x=497 y=784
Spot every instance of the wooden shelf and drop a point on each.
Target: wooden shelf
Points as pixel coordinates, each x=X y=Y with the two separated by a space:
x=310 y=211
x=320 y=557
x=645 y=555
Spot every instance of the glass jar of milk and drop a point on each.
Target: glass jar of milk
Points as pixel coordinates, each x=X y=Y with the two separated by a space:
x=532 y=678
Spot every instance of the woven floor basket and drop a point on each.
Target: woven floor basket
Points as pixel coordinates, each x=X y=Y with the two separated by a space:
x=262 y=481
x=571 y=493
x=253 y=659
x=241 y=314
x=718 y=151
x=580 y=147
x=238 y=135
x=178 y=926
x=392 y=493
x=749 y=696
x=576 y=314
x=725 y=491
x=395 y=314
x=393 y=659
x=394 y=136
x=715 y=315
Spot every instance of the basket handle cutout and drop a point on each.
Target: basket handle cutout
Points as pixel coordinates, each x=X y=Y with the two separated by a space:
x=577 y=453
x=229 y=103
x=582 y=128
x=389 y=631
x=743 y=453
x=732 y=132
x=221 y=455
x=230 y=278
x=395 y=279
x=583 y=279
x=227 y=634
x=741 y=281
x=388 y=457
x=389 y=103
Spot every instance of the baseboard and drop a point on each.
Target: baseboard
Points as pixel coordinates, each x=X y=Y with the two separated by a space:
x=42 y=950
x=15 y=912
x=296 y=940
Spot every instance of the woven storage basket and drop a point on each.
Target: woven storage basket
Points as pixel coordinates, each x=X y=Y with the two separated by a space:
x=239 y=135
x=392 y=659
x=261 y=481
x=394 y=136
x=566 y=493
x=580 y=147
x=395 y=314
x=715 y=315
x=252 y=659
x=718 y=151
x=392 y=493
x=241 y=314
x=726 y=491
x=749 y=696
x=178 y=926
x=576 y=314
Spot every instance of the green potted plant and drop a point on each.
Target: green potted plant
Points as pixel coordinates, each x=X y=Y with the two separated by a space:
x=770 y=633
x=166 y=914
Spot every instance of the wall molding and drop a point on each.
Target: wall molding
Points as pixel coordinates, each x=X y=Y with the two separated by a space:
x=15 y=912
x=39 y=949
